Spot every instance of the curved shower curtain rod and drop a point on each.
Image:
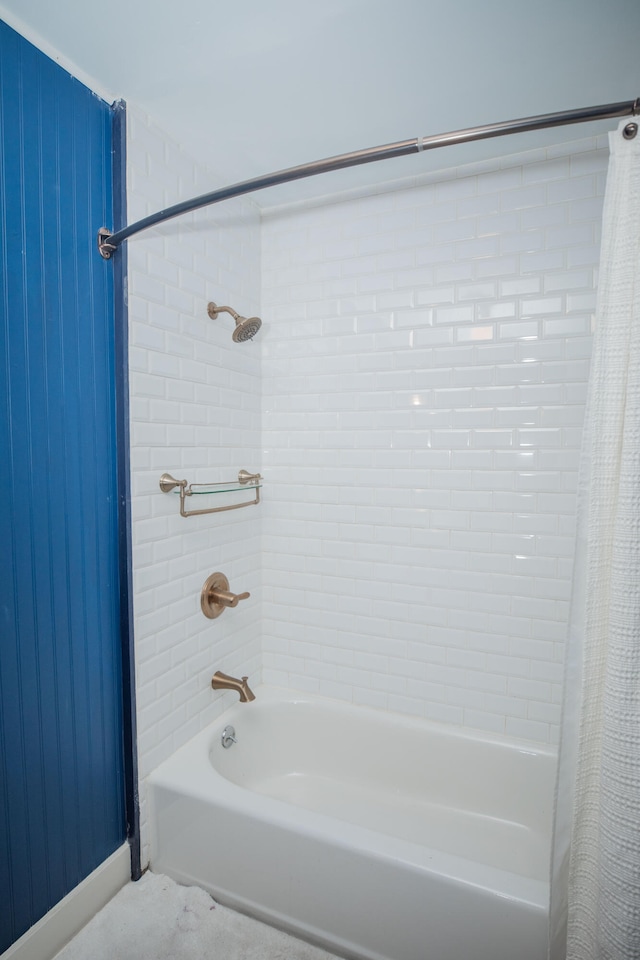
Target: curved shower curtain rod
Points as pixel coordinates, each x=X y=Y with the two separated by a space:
x=109 y=242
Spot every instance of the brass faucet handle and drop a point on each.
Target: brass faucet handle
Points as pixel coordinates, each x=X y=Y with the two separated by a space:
x=227 y=598
x=216 y=596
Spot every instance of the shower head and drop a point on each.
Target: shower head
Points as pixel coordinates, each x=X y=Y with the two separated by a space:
x=246 y=327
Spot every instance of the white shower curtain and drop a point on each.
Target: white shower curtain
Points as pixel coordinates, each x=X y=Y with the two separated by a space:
x=595 y=883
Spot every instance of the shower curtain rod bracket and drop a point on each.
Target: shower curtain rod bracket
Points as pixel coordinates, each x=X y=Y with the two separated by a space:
x=108 y=242
x=105 y=248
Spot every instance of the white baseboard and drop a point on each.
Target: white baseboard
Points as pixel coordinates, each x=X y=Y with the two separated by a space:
x=49 y=935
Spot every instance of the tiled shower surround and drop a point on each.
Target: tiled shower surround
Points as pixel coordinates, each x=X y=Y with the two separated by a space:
x=424 y=376
x=414 y=400
x=195 y=413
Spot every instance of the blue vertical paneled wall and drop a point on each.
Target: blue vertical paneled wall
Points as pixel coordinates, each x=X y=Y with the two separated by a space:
x=62 y=759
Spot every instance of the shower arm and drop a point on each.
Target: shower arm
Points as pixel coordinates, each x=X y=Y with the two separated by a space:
x=214 y=309
x=109 y=242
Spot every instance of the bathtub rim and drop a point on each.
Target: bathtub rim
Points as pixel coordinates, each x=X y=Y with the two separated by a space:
x=271 y=693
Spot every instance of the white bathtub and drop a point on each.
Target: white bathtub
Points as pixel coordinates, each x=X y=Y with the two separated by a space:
x=372 y=834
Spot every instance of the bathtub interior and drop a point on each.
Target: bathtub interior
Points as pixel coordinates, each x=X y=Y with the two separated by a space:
x=368 y=833
x=484 y=798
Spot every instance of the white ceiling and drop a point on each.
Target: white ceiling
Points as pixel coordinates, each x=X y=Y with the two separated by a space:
x=255 y=86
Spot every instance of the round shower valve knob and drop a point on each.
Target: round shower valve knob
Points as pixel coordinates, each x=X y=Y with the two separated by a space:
x=216 y=596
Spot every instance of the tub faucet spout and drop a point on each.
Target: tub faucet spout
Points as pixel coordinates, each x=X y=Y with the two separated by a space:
x=222 y=681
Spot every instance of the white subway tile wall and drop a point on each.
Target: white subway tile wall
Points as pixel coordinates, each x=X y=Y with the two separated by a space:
x=195 y=412
x=424 y=359
x=425 y=356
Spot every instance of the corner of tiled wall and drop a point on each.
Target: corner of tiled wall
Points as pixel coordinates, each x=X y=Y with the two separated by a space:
x=424 y=377
x=195 y=413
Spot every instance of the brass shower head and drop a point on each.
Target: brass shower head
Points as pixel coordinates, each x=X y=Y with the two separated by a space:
x=246 y=327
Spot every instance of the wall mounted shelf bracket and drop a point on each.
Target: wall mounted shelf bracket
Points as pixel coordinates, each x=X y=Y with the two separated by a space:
x=245 y=481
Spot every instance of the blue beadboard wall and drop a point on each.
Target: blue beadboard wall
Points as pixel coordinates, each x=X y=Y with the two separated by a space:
x=61 y=753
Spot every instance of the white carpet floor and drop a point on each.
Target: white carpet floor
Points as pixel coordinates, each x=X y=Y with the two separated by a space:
x=156 y=919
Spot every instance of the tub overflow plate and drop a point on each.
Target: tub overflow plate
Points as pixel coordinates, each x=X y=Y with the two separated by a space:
x=228 y=737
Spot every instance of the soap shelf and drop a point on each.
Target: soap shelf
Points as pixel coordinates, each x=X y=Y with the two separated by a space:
x=245 y=481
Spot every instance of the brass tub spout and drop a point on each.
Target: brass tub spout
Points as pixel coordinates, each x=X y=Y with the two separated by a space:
x=222 y=681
